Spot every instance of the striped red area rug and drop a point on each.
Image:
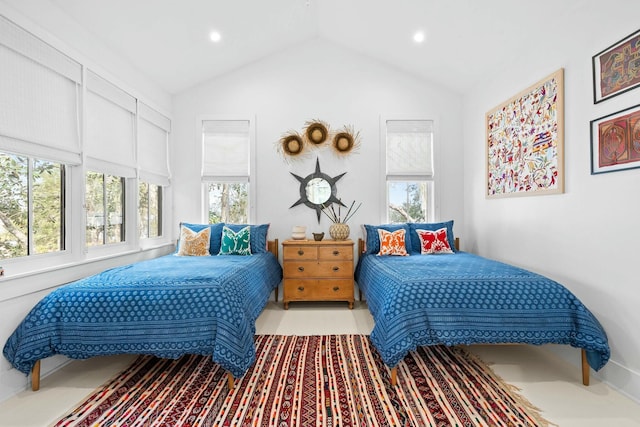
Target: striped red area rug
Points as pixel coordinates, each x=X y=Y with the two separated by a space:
x=332 y=380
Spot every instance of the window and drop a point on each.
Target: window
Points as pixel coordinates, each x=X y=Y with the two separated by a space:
x=226 y=170
x=31 y=206
x=409 y=170
x=150 y=203
x=104 y=204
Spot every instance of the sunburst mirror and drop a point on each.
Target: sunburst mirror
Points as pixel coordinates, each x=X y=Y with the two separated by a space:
x=318 y=190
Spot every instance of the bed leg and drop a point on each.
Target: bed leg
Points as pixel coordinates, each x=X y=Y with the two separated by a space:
x=230 y=381
x=585 y=368
x=35 y=376
x=394 y=376
x=277 y=293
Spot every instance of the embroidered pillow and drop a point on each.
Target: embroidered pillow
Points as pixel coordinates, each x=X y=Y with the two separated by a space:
x=258 y=239
x=233 y=243
x=392 y=242
x=413 y=241
x=372 y=240
x=194 y=243
x=214 y=238
x=434 y=242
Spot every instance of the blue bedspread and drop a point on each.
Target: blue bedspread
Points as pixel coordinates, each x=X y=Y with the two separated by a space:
x=167 y=307
x=465 y=299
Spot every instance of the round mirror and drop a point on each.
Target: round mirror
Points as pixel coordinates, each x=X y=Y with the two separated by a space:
x=317 y=190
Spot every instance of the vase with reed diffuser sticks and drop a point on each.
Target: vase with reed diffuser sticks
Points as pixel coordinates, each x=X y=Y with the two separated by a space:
x=339 y=230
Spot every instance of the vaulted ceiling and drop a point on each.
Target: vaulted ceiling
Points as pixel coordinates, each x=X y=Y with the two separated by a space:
x=466 y=41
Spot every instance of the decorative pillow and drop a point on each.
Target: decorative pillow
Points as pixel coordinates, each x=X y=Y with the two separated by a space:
x=258 y=236
x=215 y=234
x=372 y=239
x=434 y=242
x=233 y=243
x=392 y=242
x=194 y=243
x=413 y=242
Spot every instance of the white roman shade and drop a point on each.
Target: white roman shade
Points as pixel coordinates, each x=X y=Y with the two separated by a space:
x=226 y=148
x=153 y=140
x=39 y=97
x=110 y=128
x=409 y=148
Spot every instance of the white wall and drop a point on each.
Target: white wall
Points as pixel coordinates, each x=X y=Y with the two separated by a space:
x=316 y=80
x=587 y=237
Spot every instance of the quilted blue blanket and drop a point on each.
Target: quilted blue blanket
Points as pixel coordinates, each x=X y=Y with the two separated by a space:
x=463 y=298
x=167 y=307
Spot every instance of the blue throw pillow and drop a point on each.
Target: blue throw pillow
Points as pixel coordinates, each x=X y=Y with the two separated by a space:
x=431 y=226
x=258 y=236
x=373 y=241
x=215 y=237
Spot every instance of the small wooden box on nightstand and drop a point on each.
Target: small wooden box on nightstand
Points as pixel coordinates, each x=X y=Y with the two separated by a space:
x=318 y=271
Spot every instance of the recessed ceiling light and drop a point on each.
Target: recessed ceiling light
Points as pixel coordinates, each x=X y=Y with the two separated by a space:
x=418 y=37
x=215 y=36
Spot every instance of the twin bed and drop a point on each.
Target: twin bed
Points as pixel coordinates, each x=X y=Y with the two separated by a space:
x=167 y=307
x=461 y=298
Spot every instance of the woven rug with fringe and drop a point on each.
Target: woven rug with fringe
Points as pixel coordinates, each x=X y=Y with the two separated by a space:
x=330 y=380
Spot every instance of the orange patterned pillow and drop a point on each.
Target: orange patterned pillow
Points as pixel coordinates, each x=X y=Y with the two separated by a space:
x=392 y=242
x=194 y=243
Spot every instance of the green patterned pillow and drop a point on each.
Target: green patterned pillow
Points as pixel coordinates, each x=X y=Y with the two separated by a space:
x=235 y=243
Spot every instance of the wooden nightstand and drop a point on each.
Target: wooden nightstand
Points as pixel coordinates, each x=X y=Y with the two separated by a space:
x=318 y=271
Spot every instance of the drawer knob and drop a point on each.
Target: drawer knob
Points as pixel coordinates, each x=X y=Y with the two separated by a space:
x=336 y=268
x=301 y=288
x=300 y=268
x=336 y=253
x=300 y=252
x=336 y=288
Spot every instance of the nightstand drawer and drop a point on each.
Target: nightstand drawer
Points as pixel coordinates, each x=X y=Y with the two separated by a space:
x=322 y=269
x=300 y=253
x=338 y=252
x=318 y=290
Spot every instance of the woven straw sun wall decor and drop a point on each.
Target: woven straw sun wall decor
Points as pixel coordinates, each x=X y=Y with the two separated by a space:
x=293 y=145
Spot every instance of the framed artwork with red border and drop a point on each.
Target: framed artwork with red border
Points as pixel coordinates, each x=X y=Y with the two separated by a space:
x=615 y=141
x=617 y=68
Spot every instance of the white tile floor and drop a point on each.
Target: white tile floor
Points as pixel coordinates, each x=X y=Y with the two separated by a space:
x=547 y=381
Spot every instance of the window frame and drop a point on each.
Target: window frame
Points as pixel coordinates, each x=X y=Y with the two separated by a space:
x=160 y=212
x=251 y=185
x=432 y=181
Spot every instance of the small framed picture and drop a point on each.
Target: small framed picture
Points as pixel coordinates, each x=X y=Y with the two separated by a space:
x=615 y=141
x=617 y=68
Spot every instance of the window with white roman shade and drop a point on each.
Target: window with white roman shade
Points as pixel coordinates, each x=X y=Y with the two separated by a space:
x=153 y=139
x=40 y=97
x=110 y=128
x=409 y=147
x=226 y=169
x=226 y=146
x=409 y=159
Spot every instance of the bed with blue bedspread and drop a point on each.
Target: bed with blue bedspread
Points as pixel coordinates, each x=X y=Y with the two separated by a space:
x=168 y=307
x=462 y=298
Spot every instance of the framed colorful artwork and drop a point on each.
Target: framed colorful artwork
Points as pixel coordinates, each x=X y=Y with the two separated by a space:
x=615 y=141
x=617 y=68
x=525 y=141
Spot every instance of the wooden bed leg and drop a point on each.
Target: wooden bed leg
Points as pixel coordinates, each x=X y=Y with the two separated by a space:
x=277 y=293
x=35 y=376
x=230 y=381
x=585 y=368
x=394 y=376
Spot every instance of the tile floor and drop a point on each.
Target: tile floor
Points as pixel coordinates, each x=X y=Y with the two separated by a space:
x=544 y=379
